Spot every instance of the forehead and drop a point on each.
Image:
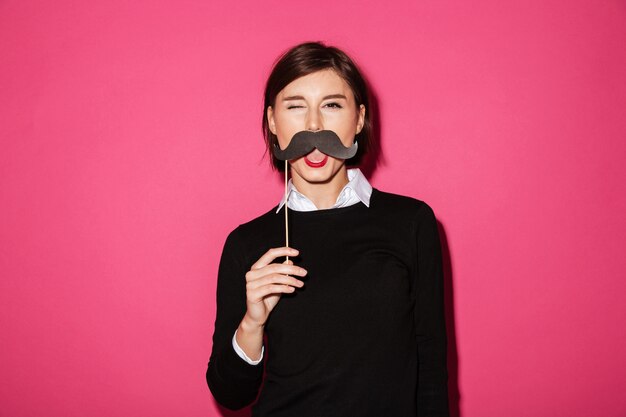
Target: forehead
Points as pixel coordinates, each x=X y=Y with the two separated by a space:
x=317 y=84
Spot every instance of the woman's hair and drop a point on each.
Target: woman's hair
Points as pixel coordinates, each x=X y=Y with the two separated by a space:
x=305 y=59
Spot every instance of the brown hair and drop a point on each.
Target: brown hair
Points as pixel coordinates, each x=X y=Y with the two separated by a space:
x=307 y=58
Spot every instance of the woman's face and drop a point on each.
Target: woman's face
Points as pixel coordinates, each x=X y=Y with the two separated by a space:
x=318 y=101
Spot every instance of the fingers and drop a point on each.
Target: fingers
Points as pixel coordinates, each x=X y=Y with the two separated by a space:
x=265 y=278
x=269 y=256
x=271 y=284
x=275 y=269
x=274 y=279
x=258 y=294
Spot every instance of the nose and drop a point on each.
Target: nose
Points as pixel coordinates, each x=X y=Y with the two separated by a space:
x=314 y=121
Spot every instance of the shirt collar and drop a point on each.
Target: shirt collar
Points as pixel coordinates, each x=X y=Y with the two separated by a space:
x=358 y=189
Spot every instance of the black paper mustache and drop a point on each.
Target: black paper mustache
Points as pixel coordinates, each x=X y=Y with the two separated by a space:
x=305 y=141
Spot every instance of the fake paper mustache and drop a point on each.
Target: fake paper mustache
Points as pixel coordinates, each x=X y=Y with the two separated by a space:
x=305 y=141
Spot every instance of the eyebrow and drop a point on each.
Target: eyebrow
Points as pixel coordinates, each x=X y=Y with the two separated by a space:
x=331 y=96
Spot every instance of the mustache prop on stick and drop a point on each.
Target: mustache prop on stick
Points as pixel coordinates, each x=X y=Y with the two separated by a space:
x=303 y=143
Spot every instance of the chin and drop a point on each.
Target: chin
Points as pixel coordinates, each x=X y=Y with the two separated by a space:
x=317 y=177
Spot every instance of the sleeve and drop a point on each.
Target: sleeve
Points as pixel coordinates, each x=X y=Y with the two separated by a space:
x=432 y=392
x=233 y=382
x=243 y=355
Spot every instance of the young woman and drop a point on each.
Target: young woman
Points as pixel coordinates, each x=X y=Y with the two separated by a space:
x=352 y=324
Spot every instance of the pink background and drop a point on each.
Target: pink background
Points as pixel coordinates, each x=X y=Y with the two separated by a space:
x=118 y=187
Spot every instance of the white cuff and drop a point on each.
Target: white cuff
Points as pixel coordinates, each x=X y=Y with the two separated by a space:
x=243 y=355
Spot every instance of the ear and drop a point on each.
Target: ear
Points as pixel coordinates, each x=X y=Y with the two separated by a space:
x=361 y=119
x=270 y=119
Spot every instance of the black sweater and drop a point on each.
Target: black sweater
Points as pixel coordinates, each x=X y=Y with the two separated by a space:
x=365 y=336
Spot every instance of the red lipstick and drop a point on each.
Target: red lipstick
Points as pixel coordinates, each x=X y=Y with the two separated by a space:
x=316 y=164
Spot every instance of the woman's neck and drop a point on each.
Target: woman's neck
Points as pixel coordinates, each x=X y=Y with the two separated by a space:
x=322 y=194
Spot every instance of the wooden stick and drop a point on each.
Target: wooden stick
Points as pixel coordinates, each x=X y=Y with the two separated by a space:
x=286 y=201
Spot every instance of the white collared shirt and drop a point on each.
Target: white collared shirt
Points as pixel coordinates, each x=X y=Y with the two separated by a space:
x=358 y=189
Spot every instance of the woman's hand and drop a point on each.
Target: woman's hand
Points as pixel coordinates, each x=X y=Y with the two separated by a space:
x=265 y=283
